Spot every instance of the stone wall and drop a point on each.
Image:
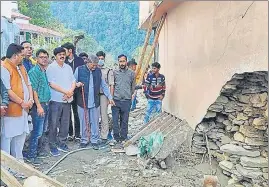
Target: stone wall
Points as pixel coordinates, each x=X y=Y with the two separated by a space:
x=237 y=129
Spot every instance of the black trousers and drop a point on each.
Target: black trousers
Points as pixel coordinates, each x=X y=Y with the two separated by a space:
x=120 y=116
x=76 y=118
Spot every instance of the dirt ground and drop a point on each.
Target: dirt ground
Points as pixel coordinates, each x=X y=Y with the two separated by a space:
x=103 y=168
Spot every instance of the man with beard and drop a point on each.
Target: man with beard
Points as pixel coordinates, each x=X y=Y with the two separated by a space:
x=73 y=61
x=40 y=109
x=62 y=85
x=124 y=88
x=28 y=52
x=16 y=81
x=90 y=77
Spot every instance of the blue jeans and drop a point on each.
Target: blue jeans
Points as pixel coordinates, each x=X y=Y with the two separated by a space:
x=152 y=104
x=134 y=102
x=38 y=129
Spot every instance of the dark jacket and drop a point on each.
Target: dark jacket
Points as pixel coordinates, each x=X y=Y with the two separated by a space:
x=84 y=77
x=4 y=95
x=75 y=63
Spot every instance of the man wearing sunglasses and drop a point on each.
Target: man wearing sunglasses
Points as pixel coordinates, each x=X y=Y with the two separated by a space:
x=27 y=52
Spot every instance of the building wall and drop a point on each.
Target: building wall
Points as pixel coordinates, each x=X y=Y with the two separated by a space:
x=143 y=10
x=203 y=44
x=6 y=7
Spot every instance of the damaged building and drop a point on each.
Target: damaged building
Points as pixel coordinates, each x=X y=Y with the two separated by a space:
x=214 y=55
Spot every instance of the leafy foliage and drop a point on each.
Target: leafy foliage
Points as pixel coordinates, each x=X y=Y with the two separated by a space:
x=113 y=24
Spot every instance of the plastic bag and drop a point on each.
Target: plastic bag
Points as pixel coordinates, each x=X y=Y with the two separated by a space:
x=150 y=145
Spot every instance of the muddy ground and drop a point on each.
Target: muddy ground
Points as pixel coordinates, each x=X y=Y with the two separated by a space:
x=103 y=168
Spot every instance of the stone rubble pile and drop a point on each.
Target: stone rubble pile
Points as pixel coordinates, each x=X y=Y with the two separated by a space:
x=237 y=129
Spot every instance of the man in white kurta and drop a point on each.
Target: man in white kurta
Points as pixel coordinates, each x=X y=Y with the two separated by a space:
x=14 y=129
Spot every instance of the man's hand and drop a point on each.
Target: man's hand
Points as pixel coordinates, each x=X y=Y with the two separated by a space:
x=30 y=103
x=161 y=97
x=133 y=96
x=40 y=111
x=3 y=110
x=79 y=84
x=65 y=98
x=69 y=93
x=112 y=102
x=25 y=105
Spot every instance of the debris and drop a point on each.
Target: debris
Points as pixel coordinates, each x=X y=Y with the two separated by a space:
x=131 y=150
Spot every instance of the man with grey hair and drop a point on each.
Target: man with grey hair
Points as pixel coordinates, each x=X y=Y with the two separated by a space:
x=89 y=80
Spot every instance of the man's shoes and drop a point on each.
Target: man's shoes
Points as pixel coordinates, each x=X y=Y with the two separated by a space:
x=109 y=136
x=54 y=151
x=42 y=154
x=112 y=142
x=118 y=145
x=77 y=138
x=99 y=145
x=34 y=161
x=103 y=141
x=64 y=148
x=83 y=145
x=70 y=138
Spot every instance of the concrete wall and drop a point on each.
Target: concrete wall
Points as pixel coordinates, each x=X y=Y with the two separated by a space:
x=203 y=44
x=143 y=10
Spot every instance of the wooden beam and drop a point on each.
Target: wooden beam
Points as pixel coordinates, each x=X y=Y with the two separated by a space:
x=155 y=42
x=9 y=179
x=147 y=130
x=140 y=62
x=12 y=163
x=173 y=141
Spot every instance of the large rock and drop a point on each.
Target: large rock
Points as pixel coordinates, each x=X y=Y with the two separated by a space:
x=255 y=141
x=258 y=162
x=225 y=140
x=216 y=107
x=248 y=173
x=227 y=122
x=210 y=114
x=222 y=99
x=242 y=117
x=238 y=150
x=239 y=137
x=260 y=123
x=250 y=131
x=226 y=165
x=244 y=98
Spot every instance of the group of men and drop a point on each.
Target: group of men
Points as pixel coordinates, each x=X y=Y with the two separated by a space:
x=71 y=87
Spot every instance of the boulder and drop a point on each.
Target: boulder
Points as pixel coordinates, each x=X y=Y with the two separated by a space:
x=248 y=173
x=239 y=137
x=257 y=162
x=250 y=131
x=238 y=150
x=226 y=165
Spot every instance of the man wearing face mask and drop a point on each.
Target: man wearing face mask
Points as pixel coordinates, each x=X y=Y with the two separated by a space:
x=73 y=61
x=124 y=88
x=90 y=77
x=107 y=75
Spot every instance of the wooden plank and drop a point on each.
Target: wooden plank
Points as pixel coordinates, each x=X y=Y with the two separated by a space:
x=171 y=125
x=162 y=116
x=27 y=170
x=174 y=140
x=9 y=179
x=141 y=59
x=147 y=130
x=155 y=42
